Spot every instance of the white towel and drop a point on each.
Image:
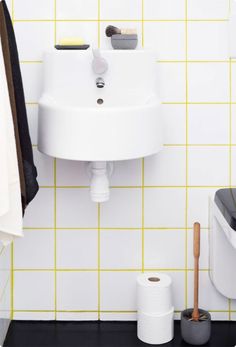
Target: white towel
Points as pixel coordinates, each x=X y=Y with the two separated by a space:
x=11 y=223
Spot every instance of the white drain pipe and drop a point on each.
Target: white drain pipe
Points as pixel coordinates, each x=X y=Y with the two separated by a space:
x=99 y=172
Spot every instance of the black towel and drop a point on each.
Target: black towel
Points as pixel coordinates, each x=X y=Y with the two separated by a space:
x=30 y=171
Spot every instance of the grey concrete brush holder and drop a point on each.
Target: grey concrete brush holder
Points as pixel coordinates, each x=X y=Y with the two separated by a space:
x=195 y=333
x=126 y=41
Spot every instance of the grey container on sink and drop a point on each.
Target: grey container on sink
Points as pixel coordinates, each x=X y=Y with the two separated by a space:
x=120 y=41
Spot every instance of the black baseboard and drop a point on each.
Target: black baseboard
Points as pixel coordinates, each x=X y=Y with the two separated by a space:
x=100 y=334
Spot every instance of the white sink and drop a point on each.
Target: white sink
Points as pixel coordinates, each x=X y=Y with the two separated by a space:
x=73 y=125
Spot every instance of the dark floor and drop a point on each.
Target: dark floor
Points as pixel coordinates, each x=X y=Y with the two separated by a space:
x=100 y=334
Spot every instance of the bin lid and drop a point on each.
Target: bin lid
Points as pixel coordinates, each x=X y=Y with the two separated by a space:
x=225 y=199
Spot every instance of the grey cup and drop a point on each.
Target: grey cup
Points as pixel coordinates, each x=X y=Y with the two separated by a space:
x=195 y=333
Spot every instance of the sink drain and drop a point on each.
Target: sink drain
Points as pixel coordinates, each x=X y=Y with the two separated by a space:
x=100 y=101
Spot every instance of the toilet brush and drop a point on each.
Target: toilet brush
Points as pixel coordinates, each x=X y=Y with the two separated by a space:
x=196 y=316
x=196 y=323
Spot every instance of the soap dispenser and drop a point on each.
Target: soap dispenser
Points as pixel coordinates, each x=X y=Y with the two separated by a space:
x=232 y=30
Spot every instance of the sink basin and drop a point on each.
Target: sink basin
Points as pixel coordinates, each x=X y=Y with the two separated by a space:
x=79 y=121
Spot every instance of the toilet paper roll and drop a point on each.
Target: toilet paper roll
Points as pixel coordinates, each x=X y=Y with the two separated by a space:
x=156 y=329
x=154 y=293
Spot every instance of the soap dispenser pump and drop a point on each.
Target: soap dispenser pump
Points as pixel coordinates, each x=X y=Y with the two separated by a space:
x=232 y=30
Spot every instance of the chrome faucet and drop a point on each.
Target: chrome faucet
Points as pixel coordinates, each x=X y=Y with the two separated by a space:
x=100 y=83
x=99 y=64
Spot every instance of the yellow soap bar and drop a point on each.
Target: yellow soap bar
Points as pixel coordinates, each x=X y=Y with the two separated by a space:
x=71 y=41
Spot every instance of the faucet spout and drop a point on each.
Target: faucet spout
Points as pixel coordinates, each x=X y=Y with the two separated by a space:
x=100 y=83
x=99 y=64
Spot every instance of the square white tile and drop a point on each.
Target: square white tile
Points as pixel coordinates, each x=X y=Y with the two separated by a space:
x=85 y=30
x=208 y=82
x=33 y=39
x=233 y=84
x=208 y=9
x=35 y=250
x=209 y=297
x=77 y=316
x=34 y=316
x=213 y=44
x=198 y=205
x=174 y=124
x=37 y=9
x=127 y=173
x=118 y=291
x=164 y=9
x=222 y=316
x=32 y=115
x=77 y=291
x=75 y=209
x=121 y=249
x=233 y=166
x=233 y=305
x=33 y=291
x=116 y=316
x=208 y=124
x=77 y=9
x=172 y=82
x=123 y=210
x=77 y=249
x=45 y=168
x=160 y=249
x=233 y=127
x=164 y=207
x=178 y=280
x=168 y=38
x=40 y=212
x=204 y=252
x=124 y=9
x=32 y=81
x=208 y=166
x=72 y=173
x=166 y=168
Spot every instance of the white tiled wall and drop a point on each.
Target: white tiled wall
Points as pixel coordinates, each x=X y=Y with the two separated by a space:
x=79 y=260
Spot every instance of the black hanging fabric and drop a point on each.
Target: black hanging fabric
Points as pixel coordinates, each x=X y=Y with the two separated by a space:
x=30 y=171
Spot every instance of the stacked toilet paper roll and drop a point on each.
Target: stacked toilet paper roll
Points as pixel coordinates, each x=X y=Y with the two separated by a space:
x=155 y=308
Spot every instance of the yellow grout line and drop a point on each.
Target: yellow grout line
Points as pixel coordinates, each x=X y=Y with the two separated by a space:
x=55 y=22
x=139 y=187
x=186 y=196
x=55 y=237
x=35 y=103
x=99 y=260
x=158 y=61
x=99 y=269
x=25 y=20
x=28 y=229
x=12 y=281
x=102 y=311
x=143 y=172
x=143 y=215
x=55 y=192
x=142 y=23
x=230 y=141
x=99 y=23
x=12 y=289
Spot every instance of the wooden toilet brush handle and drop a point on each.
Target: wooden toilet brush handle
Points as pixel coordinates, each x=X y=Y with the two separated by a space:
x=196 y=253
